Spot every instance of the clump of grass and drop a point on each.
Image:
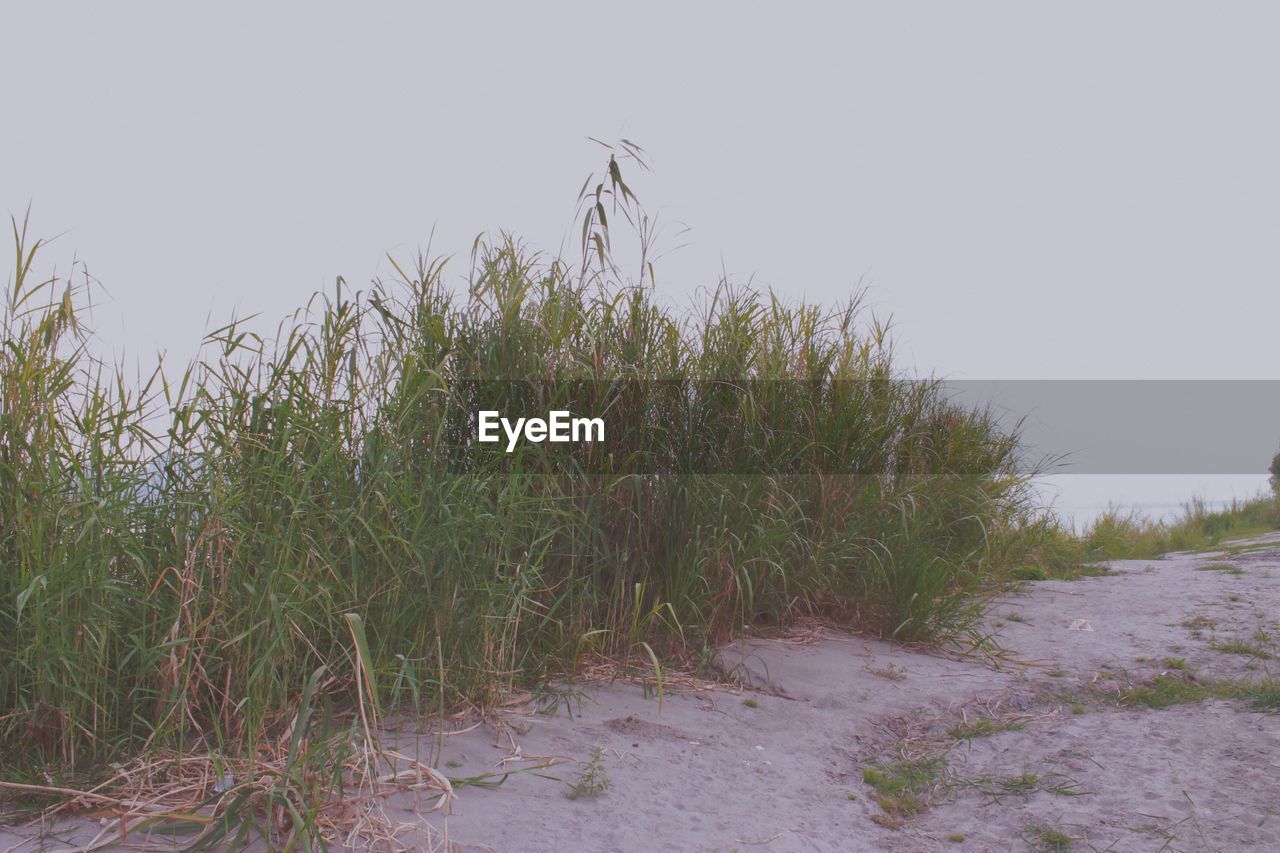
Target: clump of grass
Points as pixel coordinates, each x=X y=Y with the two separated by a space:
x=984 y=727
x=1166 y=691
x=178 y=554
x=1199 y=623
x=1240 y=647
x=1175 y=663
x=1047 y=839
x=1264 y=695
x=751 y=703
x=904 y=788
x=889 y=672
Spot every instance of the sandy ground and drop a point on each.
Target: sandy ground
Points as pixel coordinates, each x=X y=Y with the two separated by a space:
x=780 y=767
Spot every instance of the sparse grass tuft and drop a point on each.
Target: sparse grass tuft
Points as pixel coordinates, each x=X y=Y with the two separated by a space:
x=1229 y=568
x=889 y=672
x=984 y=727
x=1165 y=691
x=1024 y=785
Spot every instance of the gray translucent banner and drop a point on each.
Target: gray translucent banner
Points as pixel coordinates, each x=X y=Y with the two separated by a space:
x=1136 y=426
x=874 y=426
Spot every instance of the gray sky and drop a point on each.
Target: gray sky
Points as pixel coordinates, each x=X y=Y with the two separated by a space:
x=1087 y=190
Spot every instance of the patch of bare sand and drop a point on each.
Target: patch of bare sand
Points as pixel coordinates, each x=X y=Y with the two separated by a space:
x=780 y=767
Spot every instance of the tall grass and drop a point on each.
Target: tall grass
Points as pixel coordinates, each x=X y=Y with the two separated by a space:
x=178 y=555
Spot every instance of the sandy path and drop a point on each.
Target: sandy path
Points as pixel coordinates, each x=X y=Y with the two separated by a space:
x=783 y=771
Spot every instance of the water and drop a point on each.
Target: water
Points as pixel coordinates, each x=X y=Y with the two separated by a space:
x=1080 y=498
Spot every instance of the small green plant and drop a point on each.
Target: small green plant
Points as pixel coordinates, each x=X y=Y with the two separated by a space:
x=593 y=779
x=1017 y=617
x=955 y=837
x=751 y=703
x=1175 y=663
x=549 y=698
x=1077 y=709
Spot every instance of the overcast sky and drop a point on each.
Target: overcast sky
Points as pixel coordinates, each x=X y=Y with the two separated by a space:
x=1088 y=190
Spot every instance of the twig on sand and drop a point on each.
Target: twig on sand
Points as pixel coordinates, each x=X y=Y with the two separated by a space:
x=762 y=841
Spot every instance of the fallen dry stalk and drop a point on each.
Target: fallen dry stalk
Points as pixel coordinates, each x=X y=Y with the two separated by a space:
x=167 y=793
